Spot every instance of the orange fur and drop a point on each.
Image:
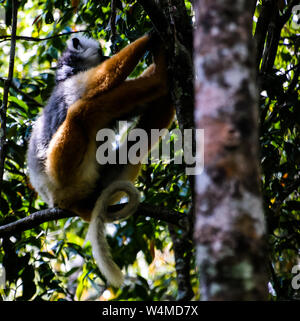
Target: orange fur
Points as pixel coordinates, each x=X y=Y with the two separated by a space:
x=114 y=71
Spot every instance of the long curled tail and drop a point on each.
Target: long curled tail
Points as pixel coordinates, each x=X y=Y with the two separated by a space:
x=96 y=232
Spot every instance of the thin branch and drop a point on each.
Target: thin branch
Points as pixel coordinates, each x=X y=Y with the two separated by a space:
x=113 y=33
x=52 y=214
x=8 y=37
x=21 y=92
x=182 y=245
x=7 y=85
x=182 y=23
x=34 y=220
x=113 y=20
x=261 y=30
x=272 y=41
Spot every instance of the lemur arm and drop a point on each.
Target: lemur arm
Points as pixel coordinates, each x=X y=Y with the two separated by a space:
x=116 y=69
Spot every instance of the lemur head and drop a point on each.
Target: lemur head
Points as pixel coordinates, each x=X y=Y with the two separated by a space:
x=81 y=54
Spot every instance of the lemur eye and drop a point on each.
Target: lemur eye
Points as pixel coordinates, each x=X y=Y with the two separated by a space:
x=76 y=43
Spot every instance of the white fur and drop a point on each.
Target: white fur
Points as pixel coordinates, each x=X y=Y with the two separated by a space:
x=96 y=232
x=85 y=42
x=38 y=179
x=75 y=87
x=88 y=50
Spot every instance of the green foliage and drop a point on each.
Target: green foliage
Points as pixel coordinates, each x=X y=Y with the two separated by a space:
x=52 y=261
x=280 y=155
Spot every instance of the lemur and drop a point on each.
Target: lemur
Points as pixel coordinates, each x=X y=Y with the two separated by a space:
x=92 y=92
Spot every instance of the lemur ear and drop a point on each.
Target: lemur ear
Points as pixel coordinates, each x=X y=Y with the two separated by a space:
x=76 y=43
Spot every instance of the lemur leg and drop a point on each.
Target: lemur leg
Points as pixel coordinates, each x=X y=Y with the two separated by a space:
x=158 y=114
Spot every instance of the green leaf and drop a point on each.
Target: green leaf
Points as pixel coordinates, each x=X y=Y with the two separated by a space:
x=19 y=102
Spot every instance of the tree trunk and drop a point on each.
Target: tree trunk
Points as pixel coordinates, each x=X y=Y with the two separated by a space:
x=229 y=224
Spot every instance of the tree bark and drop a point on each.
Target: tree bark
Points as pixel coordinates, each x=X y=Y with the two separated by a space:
x=51 y=214
x=172 y=22
x=229 y=227
x=7 y=85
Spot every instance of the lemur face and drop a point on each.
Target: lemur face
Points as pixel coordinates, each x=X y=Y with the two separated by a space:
x=82 y=53
x=86 y=49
